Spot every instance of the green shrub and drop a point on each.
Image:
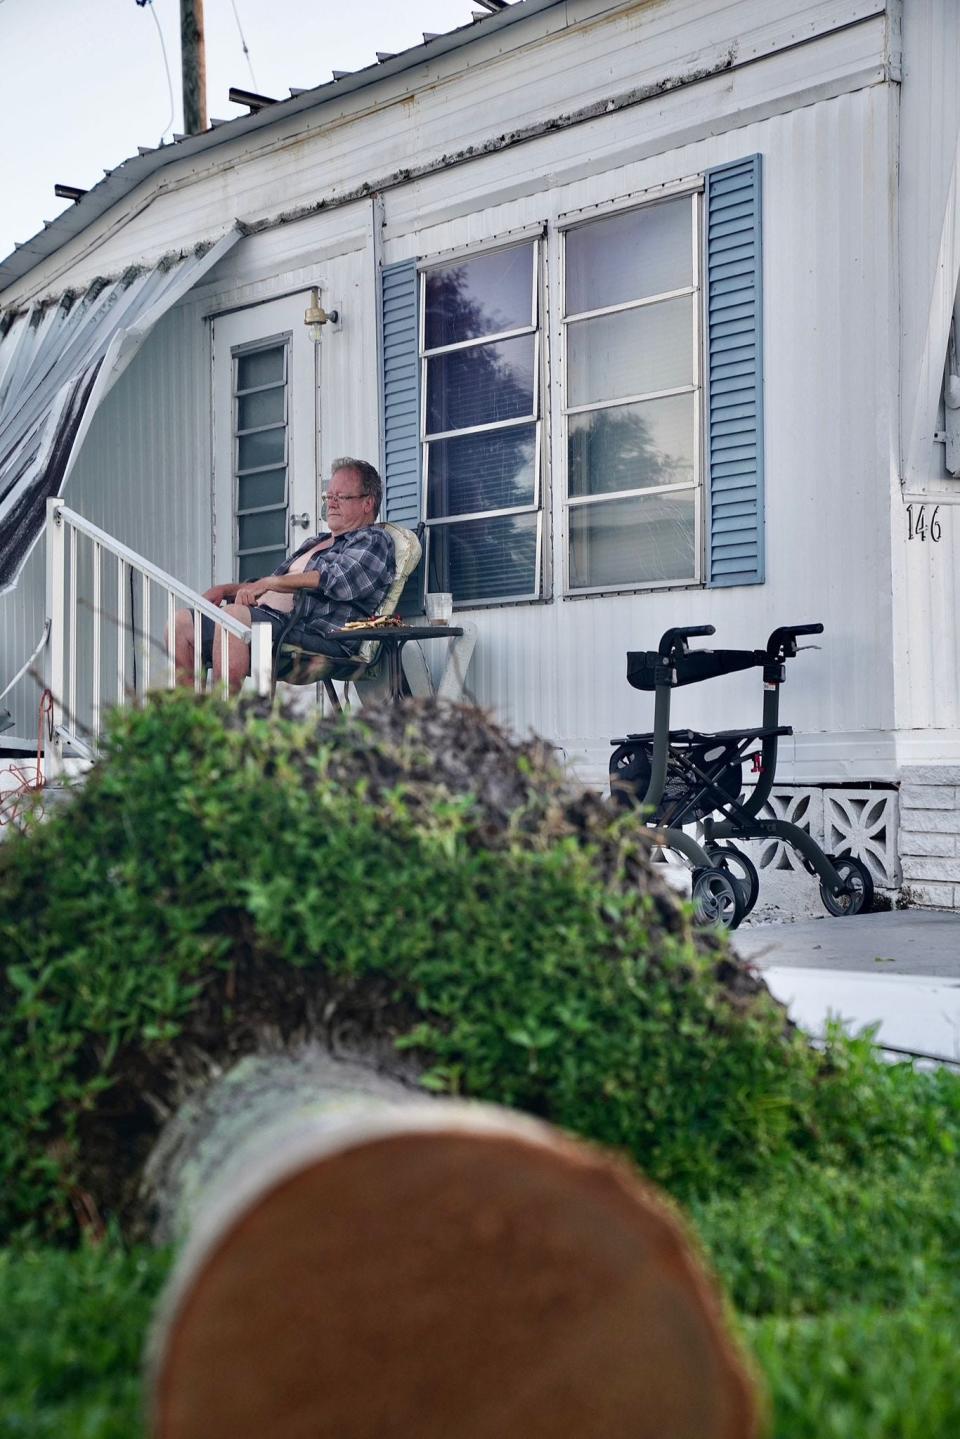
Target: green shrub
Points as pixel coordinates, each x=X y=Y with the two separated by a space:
x=415 y=879
x=416 y=876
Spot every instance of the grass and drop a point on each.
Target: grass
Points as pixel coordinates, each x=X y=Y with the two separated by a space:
x=72 y=1326
x=846 y=1288
x=863 y=1372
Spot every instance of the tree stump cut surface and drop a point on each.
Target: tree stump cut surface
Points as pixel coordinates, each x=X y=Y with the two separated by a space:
x=449 y=1284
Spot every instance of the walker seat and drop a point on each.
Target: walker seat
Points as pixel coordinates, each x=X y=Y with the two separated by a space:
x=692 y=736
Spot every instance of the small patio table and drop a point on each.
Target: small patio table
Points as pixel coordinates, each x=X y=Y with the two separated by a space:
x=393 y=638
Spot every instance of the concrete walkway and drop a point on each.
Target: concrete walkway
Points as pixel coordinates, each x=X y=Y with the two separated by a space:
x=898 y=970
x=900 y=941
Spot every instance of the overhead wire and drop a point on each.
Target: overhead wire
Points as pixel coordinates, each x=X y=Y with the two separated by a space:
x=243 y=42
x=143 y=4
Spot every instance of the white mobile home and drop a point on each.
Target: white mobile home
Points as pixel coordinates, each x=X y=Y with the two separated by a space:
x=647 y=310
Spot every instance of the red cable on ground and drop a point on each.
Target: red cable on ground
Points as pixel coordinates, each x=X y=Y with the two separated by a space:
x=13 y=801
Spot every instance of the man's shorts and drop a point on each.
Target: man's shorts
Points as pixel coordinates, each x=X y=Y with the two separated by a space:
x=295 y=634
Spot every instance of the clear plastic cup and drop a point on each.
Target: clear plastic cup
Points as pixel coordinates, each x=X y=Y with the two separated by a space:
x=439 y=608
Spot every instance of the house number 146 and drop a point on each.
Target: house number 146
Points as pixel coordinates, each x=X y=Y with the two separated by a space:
x=919 y=526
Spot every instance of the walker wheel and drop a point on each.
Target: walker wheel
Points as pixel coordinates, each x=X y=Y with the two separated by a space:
x=717 y=899
x=741 y=870
x=858 y=880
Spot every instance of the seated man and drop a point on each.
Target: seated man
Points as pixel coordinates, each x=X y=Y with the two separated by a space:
x=345 y=573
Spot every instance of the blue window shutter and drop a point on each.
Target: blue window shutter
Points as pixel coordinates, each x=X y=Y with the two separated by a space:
x=401 y=393
x=734 y=374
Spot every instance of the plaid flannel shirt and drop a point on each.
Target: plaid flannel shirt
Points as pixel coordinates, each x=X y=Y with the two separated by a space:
x=355 y=574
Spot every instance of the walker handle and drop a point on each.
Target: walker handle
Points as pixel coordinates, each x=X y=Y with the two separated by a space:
x=675 y=641
x=783 y=642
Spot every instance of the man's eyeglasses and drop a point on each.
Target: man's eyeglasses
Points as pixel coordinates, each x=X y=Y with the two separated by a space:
x=326 y=498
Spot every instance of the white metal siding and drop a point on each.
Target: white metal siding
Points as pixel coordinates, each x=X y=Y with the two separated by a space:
x=144 y=472
x=551 y=65
x=559 y=667
x=143 y=475
x=929 y=219
x=927 y=575
x=22 y=613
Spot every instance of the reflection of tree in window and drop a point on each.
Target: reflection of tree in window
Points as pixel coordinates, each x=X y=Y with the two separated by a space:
x=474 y=473
x=632 y=336
x=646 y=539
x=621 y=449
x=456 y=310
x=488 y=559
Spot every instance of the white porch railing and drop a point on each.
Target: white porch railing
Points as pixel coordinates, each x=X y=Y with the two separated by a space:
x=108 y=610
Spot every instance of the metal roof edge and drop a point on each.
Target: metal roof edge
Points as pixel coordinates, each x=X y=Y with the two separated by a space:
x=130 y=173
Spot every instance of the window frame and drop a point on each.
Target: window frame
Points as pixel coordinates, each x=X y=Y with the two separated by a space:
x=535 y=328
x=693 y=192
x=237 y=353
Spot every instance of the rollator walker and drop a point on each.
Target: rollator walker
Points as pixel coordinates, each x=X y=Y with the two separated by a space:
x=678 y=777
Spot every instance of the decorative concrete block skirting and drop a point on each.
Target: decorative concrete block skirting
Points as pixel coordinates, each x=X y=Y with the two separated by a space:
x=854 y=819
x=843 y=820
x=929 y=841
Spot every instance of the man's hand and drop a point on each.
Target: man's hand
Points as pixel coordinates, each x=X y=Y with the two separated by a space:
x=216 y=594
x=248 y=594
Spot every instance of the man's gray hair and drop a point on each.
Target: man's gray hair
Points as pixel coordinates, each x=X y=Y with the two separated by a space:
x=370 y=481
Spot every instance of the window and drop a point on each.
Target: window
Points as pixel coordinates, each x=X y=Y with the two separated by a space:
x=480 y=425
x=632 y=400
x=260 y=459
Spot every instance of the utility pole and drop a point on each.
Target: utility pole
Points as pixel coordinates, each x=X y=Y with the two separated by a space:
x=193 y=65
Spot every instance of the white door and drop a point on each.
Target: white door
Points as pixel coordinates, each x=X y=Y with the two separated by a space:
x=266 y=488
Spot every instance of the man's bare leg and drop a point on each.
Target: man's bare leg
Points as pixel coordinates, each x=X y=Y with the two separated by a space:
x=238 y=652
x=183 y=647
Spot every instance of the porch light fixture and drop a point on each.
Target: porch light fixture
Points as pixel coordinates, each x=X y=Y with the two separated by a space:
x=315 y=316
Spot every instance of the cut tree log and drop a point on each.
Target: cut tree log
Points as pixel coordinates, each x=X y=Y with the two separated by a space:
x=365 y=1263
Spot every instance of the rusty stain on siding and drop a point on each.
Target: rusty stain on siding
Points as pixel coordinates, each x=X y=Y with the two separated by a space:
x=607 y=106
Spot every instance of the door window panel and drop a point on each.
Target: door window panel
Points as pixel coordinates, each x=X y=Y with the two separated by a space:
x=262 y=448
x=260 y=563
x=268 y=527
x=261 y=367
x=261 y=407
x=267 y=487
x=260 y=455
